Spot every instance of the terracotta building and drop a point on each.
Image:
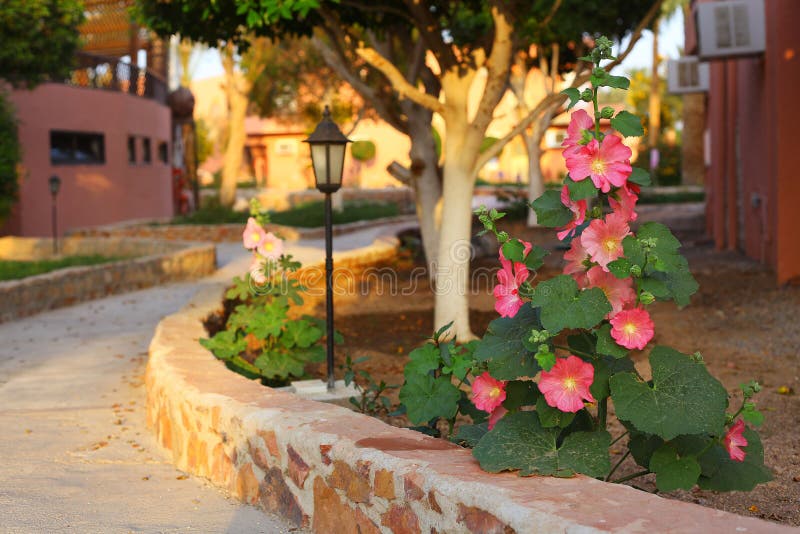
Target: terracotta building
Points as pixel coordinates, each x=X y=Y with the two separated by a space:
x=753 y=158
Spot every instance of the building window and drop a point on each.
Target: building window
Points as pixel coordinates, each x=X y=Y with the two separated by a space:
x=77 y=148
x=131 y=149
x=147 y=156
x=163 y=152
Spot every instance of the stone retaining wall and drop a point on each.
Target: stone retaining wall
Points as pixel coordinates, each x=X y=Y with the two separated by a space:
x=158 y=262
x=222 y=233
x=336 y=471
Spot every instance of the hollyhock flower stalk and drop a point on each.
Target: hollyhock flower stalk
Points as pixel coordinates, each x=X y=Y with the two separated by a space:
x=566 y=385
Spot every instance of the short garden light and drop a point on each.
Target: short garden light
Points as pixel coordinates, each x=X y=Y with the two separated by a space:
x=55 y=185
x=328 y=145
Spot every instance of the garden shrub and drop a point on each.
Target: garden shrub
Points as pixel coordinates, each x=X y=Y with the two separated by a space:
x=362 y=150
x=10 y=157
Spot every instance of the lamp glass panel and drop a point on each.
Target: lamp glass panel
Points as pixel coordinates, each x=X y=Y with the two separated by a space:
x=337 y=162
x=320 y=163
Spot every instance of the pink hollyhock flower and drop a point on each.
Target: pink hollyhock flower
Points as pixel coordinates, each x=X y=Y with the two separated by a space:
x=506 y=293
x=632 y=329
x=271 y=246
x=619 y=291
x=733 y=440
x=603 y=238
x=578 y=209
x=253 y=234
x=496 y=415
x=566 y=385
x=607 y=163
x=257 y=271
x=576 y=258
x=488 y=393
x=578 y=122
x=623 y=201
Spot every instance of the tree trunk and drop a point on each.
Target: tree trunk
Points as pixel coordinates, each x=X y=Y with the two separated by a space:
x=693 y=167
x=655 y=94
x=233 y=151
x=455 y=252
x=533 y=143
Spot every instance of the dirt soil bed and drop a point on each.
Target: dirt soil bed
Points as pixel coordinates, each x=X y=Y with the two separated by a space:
x=745 y=327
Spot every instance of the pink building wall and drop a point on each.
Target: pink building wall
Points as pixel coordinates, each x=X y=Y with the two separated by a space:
x=752 y=184
x=90 y=194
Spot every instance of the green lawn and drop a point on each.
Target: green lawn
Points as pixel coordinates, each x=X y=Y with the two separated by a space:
x=14 y=270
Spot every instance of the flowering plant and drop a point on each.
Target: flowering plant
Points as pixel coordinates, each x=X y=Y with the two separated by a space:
x=545 y=371
x=260 y=340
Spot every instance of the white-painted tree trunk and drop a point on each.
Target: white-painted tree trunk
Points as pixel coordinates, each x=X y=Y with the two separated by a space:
x=533 y=144
x=235 y=147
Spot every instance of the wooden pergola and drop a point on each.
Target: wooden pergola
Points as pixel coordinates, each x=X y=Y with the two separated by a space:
x=109 y=30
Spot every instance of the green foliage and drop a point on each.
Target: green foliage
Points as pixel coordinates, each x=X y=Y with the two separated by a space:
x=628 y=124
x=10 y=156
x=564 y=305
x=720 y=473
x=311 y=214
x=40 y=38
x=550 y=212
x=363 y=150
x=372 y=399
x=505 y=348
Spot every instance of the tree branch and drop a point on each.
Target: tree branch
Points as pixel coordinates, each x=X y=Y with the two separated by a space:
x=559 y=98
x=398 y=81
x=551 y=14
x=431 y=33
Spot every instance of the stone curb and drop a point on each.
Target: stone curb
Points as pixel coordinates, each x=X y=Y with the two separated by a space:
x=336 y=471
x=165 y=262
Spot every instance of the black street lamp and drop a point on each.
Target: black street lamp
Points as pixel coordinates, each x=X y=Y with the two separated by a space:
x=328 y=145
x=55 y=185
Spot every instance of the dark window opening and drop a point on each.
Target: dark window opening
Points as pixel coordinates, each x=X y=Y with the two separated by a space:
x=131 y=149
x=77 y=148
x=147 y=156
x=163 y=152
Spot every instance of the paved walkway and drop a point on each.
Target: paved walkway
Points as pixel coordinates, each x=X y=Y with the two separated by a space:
x=75 y=455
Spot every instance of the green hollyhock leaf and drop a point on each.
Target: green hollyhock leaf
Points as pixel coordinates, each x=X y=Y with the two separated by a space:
x=628 y=124
x=580 y=190
x=642 y=447
x=606 y=344
x=466 y=407
x=617 y=82
x=552 y=417
x=574 y=96
x=513 y=250
x=633 y=251
x=673 y=471
x=720 y=473
x=752 y=415
x=640 y=176
x=535 y=257
x=300 y=334
x=563 y=305
x=426 y=398
x=519 y=442
x=279 y=364
x=621 y=267
x=520 y=393
x=461 y=365
x=550 y=212
x=470 y=435
x=225 y=344
x=584 y=342
x=422 y=360
x=505 y=346
x=684 y=397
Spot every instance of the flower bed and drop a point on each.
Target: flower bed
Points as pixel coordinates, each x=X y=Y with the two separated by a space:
x=334 y=470
x=150 y=262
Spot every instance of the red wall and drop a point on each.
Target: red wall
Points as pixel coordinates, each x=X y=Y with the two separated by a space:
x=753 y=183
x=90 y=194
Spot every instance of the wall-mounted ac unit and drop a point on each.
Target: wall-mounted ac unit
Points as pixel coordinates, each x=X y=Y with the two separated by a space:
x=730 y=28
x=687 y=75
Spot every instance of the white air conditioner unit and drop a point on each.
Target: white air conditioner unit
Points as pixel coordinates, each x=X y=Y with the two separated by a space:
x=731 y=28
x=687 y=75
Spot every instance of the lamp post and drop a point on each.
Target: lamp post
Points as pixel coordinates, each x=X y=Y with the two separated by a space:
x=328 y=145
x=55 y=185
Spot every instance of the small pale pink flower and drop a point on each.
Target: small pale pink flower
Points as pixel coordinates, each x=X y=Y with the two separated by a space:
x=576 y=258
x=488 y=393
x=619 y=291
x=566 y=385
x=607 y=163
x=506 y=292
x=257 y=271
x=578 y=209
x=496 y=415
x=623 y=201
x=578 y=122
x=253 y=234
x=271 y=246
x=733 y=441
x=603 y=238
x=632 y=329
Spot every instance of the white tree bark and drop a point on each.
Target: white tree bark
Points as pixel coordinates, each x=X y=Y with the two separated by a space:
x=533 y=144
x=236 y=89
